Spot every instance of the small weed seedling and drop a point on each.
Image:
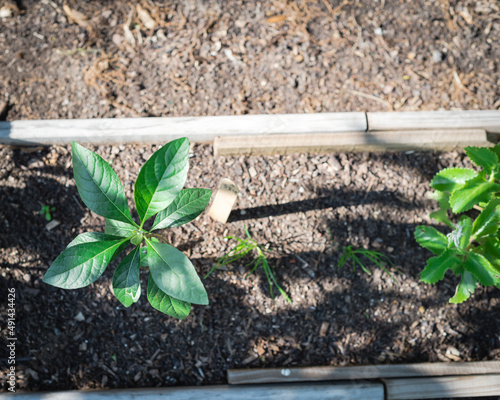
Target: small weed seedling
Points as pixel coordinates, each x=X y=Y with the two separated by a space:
x=356 y=256
x=173 y=283
x=472 y=249
x=250 y=247
x=46 y=212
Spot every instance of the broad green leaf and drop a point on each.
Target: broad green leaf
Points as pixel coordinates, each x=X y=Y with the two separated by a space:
x=431 y=239
x=481 y=268
x=482 y=157
x=161 y=178
x=437 y=266
x=473 y=192
x=144 y=257
x=165 y=303
x=488 y=221
x=465 y=288
x=460 y=237
x=118 y=228
x=81 y=264
x=174 y=274
x=188 y=204
x=450 y=179
x=88 y=237
x=126 y=281
x=98 y=185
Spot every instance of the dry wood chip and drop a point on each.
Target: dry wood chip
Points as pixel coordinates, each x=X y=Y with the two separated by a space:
x=77 y=17
x=250 y=359
x=129 y=36
x=145 y=17
x=275 y=19
x=324 y=329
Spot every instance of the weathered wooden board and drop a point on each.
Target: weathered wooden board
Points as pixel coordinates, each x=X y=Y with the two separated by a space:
x=164 y=129
x=281 y=375
x=488 y=120
x=345 y=391
x=437 y=139
x=443 y=387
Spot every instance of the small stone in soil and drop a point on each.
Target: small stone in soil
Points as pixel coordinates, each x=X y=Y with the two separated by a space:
x=79 y=317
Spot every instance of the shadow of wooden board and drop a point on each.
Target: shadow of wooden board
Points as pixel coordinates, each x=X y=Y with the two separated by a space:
x=164 y=129
x=337 y=391
x=309 y=374
x=432 y=139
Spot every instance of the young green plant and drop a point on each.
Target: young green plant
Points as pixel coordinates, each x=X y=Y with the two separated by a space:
x=357 y=255
x=249 y=247
x=472 y=249
x=46 y=211
x=173 y=283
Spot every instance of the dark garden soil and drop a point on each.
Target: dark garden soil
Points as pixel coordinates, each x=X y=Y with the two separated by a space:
x=235 y=57
x=306 y=208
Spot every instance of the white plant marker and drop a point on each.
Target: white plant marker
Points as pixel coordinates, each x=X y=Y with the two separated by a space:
x=224 y=200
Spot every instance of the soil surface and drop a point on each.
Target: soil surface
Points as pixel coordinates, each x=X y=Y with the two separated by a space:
x=306 y=208
x=180 y=58
x=190 y=57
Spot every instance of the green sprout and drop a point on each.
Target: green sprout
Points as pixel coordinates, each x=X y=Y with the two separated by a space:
x=249 y=247
x=46 y=212
x=357 y=255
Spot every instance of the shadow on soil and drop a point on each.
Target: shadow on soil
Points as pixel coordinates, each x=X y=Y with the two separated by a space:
x=350 y=318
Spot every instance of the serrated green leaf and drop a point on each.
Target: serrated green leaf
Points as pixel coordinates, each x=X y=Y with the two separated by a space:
x=126 y=280
x=119 y=228
x=174 y=274
x=431 y=239
x=488 y=221
x=471 y=193
x=465 y=288
x=98 y=185
x=161 y=178
x=496 y=150
x=481 y=268
x=450 y=179
x=165 y=303
x=482 y=157
x=443 y=198
x=460 y=237
x=437 y=266
x=188 y=204
x=81 y=264
x=492 y=252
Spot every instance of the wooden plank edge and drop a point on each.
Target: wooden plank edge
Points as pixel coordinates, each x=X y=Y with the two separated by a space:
x=488 y=120
x=336 y=391
x=283 y=375
x=163 y=129
x=443 y=387
x=437 y=139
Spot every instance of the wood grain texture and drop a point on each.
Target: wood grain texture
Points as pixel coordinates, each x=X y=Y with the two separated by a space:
x=281 y=375
x=346 y=391
x=488 y=120
x=164 y=129
x=441 y=139
x=443 y=387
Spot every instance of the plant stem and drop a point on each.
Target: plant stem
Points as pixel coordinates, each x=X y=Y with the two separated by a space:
x=161 y=238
